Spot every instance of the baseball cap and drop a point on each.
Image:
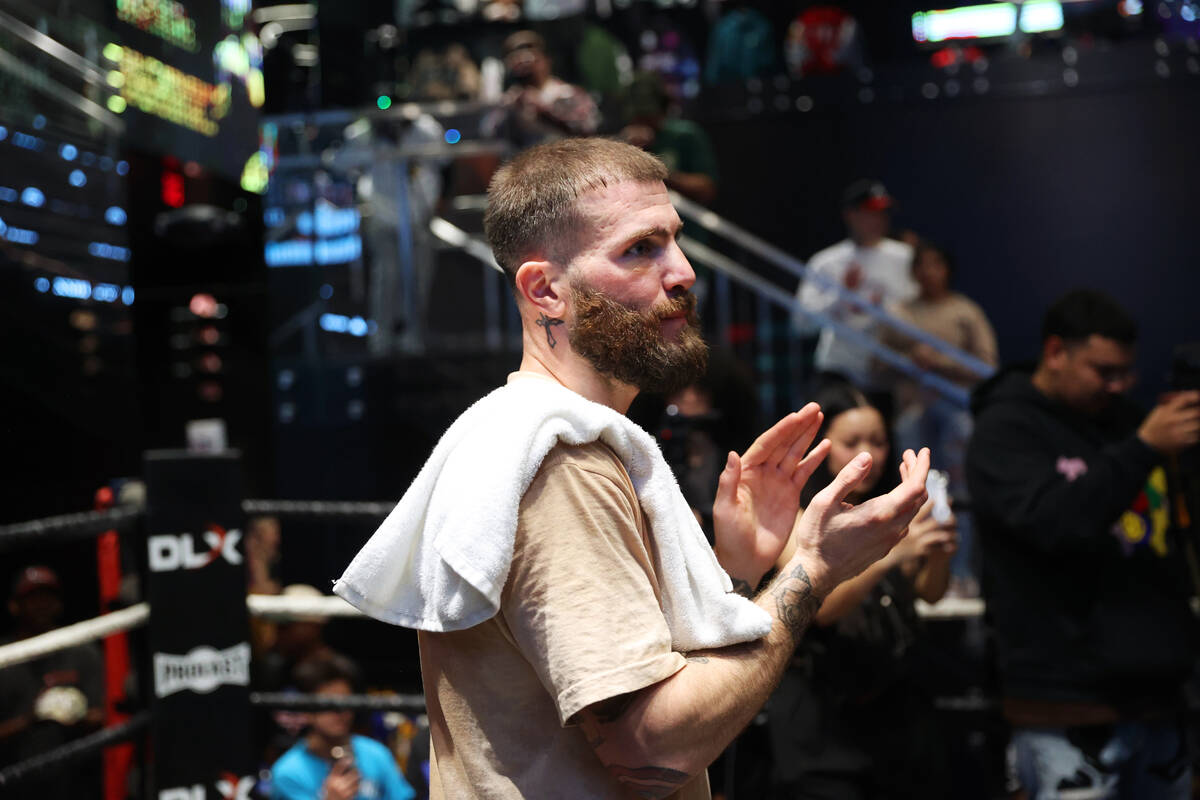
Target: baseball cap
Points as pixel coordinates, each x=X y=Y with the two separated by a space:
x=33 y=578
x=869 y=194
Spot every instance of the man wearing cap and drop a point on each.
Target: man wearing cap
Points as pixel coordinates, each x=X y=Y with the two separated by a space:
x=47 y=702
x=539 y=106
x=868 y=264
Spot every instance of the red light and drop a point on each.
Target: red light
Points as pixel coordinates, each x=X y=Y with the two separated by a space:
x=172 y=189
x=944 y=57
x=208 y=335
x=203 y=305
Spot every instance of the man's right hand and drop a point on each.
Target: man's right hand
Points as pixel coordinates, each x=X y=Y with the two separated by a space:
x=836 y=540
x=342 y=781
x=1174 y=424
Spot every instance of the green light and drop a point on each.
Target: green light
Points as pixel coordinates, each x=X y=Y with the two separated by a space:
x=384 y=102
x=112 y=51
x=116 y=104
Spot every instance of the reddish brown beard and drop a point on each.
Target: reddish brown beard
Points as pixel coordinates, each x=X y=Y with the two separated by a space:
x=628 y=345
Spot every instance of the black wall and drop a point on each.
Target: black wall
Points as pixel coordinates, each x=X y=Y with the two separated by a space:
x=1033 y=195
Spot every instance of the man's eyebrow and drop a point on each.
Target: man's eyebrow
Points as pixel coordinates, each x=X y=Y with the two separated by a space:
x=647 y=233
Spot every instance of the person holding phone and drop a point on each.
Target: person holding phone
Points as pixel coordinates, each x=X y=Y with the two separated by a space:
x=329 y=762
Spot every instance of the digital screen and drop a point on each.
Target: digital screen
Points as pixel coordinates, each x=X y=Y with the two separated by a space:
x=187 y=78
x=63 y=212
x=987 y=21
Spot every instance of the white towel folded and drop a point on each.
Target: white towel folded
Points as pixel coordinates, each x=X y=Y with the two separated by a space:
x=440 y=560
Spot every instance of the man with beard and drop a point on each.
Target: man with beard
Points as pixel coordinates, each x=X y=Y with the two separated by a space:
x=578 y=637
x=1086 y=583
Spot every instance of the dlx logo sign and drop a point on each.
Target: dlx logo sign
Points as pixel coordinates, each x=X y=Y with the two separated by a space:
x=174 y=551
x=230 y=787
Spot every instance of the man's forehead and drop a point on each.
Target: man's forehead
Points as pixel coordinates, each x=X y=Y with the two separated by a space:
x=1101 y=349
x=627 y=207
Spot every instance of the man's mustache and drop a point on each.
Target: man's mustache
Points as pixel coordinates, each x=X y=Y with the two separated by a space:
x=685 y=302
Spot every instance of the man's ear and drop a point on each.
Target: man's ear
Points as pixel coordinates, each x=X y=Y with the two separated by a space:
x=1054 y=351
x=542 y=284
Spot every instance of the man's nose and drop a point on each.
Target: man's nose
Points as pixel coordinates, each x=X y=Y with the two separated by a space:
x=679 y=275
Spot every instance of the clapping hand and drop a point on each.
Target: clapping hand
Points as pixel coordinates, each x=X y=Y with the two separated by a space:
x=758 y=495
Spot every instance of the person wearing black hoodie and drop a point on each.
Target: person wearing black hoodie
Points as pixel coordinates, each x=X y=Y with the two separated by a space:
x=1085 y=581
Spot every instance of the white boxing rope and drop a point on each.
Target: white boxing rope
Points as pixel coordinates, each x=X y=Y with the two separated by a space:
x=285 y=607
x=61 y=638
x=951 y=608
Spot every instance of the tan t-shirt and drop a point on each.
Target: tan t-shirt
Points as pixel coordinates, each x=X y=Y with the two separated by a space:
x=580 y=621
x=956 y=319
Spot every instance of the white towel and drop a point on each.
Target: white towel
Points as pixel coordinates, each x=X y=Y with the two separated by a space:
x=440 y=560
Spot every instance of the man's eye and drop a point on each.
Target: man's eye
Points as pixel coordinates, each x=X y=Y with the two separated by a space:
x=640 y=249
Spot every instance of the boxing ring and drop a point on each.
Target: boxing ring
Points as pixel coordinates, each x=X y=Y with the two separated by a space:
x=195 y=613
x=186 y=533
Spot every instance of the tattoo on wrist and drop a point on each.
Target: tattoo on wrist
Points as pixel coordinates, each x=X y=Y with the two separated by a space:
x=548 y=323
x=795 y=602
x=697 y=659
x=742 y=587
x=650 y=782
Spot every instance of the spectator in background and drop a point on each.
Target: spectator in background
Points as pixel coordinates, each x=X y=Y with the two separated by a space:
x=330 y=762
x=866 y=263
x=51 y=700
x=262 y=560
x=681 y=145
x=538 y=107
x=849 y=720
x=924 y=417
x=296 y=642
x=1086 y=589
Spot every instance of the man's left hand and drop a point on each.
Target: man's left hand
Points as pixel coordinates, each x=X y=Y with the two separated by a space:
x=758 y=495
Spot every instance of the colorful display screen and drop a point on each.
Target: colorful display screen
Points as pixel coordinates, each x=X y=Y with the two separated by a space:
x=987 y=21
x=186 y=75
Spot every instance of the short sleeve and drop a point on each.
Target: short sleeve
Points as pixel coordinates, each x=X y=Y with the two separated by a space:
x=581 y=599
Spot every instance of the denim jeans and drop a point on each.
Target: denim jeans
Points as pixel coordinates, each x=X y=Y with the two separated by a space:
x=1126 y=761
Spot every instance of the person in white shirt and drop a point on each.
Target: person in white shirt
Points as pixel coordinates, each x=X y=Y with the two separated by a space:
x=867 y=263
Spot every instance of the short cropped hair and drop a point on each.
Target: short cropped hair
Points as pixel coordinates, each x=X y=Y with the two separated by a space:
x=310 y=675
x=1085 y=312
x=531 y=200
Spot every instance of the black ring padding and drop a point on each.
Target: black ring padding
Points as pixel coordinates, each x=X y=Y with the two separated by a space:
x=290 y=701
x=68 y=526
x=74 y=750
x=317 y=508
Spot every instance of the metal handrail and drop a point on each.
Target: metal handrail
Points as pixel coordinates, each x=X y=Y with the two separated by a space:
x=784 y=299
x=456 y=237
x=713 y=222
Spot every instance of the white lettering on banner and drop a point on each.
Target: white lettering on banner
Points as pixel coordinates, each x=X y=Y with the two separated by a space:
x=172 y=551
x=193 y=792
x=229 y=787
x=232 y=787
x=202 y=670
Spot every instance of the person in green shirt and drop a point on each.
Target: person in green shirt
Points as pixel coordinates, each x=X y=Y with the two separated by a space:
x=680 y=144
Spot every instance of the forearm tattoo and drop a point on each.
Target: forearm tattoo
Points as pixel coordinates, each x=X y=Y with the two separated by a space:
x=742 y=587
x=795 y=602
x=548 y=323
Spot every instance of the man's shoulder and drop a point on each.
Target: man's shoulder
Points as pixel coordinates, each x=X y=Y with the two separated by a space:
x=833 y=255
x=293 y=763
x=896 y=250
x=595 y=457
x=377 y=751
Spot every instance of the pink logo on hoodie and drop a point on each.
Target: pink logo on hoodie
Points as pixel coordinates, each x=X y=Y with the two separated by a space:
x=1071 y=468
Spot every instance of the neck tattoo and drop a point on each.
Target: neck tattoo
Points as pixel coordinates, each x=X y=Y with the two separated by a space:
x=548 y=323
